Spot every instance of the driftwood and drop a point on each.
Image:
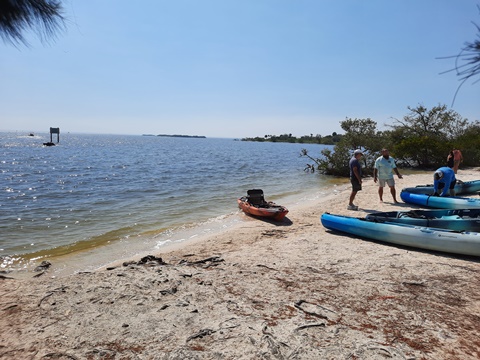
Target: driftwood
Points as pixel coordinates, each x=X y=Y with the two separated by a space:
x=10 y=307
x=46 y=296
x=298 y=305
x=267 y=267
x=210 y=261
x=59 y=356
x=201 y=334
x=310 y=326
x=413 y=283
x=150 y=259
x=170 y=291
x=44 y=265
x=42 y=268
x=146 y=260
x=60 y=289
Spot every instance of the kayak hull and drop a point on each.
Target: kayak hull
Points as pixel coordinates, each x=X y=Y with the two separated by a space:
x=463 y=188
x=440 y=202
x=269 y=210
x=464 y=243
x=456 y=219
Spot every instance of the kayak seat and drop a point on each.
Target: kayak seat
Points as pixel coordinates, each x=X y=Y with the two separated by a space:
x=412 y=214
x=255 y=197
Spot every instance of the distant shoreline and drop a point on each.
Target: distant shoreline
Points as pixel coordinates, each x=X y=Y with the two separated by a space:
x=182 y=136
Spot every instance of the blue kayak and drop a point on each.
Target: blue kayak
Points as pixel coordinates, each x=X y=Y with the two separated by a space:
x=464 y=243
x=461 y=188
x=454 y=219
x=440 y=202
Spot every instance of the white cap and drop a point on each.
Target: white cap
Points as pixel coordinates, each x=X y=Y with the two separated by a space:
x=358 y=151
x=438 y=174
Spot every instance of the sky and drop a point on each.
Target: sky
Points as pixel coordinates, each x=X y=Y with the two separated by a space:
x=238 y=68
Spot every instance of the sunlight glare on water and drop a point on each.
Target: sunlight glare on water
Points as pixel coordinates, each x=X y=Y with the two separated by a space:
x=91 y=191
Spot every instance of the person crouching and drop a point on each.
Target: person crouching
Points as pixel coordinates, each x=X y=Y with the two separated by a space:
x=443 y=180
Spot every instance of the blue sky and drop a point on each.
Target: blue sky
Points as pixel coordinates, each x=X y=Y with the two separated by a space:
x=237 y=68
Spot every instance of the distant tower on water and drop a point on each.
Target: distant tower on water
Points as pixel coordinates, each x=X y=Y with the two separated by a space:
x=53 y=131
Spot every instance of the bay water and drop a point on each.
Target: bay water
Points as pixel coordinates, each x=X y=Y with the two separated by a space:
x=95 y=198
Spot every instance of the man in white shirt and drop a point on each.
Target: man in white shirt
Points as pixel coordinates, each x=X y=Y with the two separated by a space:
x=383 y=172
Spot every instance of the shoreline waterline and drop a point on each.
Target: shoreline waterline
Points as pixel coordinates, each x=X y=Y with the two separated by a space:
x=92 y=256
x=99 y=190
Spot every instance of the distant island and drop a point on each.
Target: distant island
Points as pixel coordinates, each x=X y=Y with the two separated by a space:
x=181 y=136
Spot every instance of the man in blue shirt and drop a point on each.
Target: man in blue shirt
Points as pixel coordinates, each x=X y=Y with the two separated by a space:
x=444 y=178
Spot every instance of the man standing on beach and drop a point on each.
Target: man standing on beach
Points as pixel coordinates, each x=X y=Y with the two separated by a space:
x=383 y=172
x=355 y=177
x=457 y=159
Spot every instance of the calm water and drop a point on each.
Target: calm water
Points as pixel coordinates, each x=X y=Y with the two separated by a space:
x=120 y=195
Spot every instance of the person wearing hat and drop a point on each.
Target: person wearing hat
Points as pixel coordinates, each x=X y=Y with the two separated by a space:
x=355 y=177
x=383 y=173
x=444 y=178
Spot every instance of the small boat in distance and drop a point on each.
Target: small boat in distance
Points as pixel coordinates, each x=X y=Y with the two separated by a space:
x=254 y=204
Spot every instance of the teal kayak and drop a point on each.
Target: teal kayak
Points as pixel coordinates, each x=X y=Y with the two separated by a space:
x=440 y=202
x=454 y=219
x=461 y=188
x=464 y=243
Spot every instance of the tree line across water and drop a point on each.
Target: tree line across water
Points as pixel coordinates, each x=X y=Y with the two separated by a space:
x=305 y=139
x=422 y=139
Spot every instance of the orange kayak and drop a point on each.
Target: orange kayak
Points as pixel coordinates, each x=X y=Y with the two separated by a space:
x=267 y=210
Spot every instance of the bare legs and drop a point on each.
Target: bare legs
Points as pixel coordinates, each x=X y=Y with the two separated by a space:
x=456 y=164
x=352 y=197
x=394 y=194
x=392 y=191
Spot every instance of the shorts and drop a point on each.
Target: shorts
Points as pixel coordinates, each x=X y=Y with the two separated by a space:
x=356 y=186
x=390 y=182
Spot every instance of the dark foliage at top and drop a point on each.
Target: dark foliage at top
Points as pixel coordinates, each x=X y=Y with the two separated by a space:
x=17 y=16
x=467 y=62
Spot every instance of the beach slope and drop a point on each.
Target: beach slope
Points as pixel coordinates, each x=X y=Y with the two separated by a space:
x=259 y=290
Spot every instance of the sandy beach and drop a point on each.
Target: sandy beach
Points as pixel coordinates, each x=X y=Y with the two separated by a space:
x=259 y=290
